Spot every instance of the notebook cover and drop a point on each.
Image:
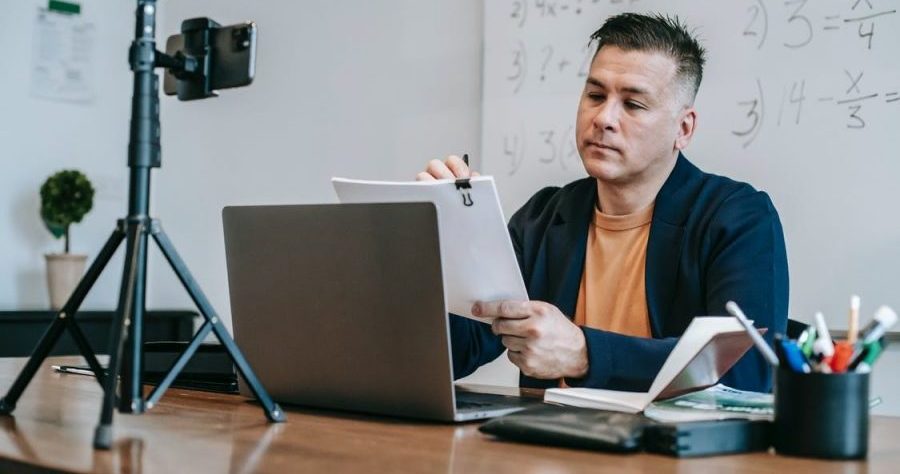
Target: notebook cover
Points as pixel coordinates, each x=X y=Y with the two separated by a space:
x=708 y=366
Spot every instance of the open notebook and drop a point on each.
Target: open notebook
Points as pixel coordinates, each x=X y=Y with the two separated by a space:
x=708 y=348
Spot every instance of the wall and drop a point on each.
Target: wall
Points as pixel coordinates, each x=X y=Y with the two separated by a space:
x=40 y=136
x=357 y=89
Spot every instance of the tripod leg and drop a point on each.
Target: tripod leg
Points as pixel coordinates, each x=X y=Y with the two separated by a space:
x=103 y=432
x=131 y=396
x=179 y=365
x=81 y=291
x=85 y=348
x=64 y=319
x=273 y=412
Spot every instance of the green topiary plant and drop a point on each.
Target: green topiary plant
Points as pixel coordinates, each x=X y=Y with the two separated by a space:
x=65 y=199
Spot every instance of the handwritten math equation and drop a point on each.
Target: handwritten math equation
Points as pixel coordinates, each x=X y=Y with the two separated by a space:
x=789 y=65
x=522 y=10
x=551 y=63
x=801 y=26
x=551 y=60
x=853 y=102
x=550 y=146
x=792 y=102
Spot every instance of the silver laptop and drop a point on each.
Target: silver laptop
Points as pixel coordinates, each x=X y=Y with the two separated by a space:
x=342 y=306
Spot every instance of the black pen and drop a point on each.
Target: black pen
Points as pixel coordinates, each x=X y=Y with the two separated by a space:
x=466 y=159
x=68 y=369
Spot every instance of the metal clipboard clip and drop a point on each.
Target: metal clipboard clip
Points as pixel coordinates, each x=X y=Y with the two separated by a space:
x=463 y=185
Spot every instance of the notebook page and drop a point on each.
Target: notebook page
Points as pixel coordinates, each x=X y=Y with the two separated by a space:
x=698 y=333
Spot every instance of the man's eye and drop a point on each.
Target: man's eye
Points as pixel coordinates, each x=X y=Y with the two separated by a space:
x=596 y=96
x=634 y=105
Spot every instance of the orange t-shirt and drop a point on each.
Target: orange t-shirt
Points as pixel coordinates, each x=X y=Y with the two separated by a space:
x=612 y=296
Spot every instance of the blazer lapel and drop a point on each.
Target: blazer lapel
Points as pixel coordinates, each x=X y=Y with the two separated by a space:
x=566 y=245
x=660 y=273
x=672 y=206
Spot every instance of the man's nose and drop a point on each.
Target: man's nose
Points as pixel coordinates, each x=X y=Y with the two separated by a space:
x=607 y=117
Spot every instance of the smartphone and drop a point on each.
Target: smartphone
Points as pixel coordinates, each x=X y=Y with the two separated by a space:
x=232 y=51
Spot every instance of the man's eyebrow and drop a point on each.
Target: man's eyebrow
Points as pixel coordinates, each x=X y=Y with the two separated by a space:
x=635 y=90
x=632 y=90
x=595 y=82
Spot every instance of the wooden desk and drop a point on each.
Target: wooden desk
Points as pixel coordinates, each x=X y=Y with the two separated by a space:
x=201 y=432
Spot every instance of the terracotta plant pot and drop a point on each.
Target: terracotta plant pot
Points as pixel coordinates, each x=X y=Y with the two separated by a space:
x=64 y=271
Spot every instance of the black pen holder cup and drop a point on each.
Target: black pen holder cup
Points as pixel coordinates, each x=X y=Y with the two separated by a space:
x=822 y=415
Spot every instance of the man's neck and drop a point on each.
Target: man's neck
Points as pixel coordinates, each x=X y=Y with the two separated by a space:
x=619 y=199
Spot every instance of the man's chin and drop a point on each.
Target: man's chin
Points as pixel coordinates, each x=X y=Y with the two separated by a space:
x=603 y=170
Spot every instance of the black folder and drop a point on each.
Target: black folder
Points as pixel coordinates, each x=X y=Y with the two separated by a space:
x=599 y=430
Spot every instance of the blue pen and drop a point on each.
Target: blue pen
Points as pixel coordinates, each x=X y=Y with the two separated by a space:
x=795 y=358
x=779 y=349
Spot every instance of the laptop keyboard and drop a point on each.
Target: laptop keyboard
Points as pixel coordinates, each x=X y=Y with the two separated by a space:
x=484 y=401
x=469 y=405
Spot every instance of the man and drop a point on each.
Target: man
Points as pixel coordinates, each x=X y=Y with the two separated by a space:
x=617 y=264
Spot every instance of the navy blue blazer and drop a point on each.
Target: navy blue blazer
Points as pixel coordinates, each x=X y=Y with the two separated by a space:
x=711 y=240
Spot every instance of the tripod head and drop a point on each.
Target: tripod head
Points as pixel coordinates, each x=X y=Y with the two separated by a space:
x=207 y=56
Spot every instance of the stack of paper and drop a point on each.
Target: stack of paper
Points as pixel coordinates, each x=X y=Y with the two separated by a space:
x=715 y=403
x=477 y=256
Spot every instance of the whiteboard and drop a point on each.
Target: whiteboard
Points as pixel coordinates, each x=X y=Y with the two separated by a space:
x=799 y=98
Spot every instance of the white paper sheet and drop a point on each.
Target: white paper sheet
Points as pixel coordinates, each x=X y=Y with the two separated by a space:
x=477 y=256
x=63 y=56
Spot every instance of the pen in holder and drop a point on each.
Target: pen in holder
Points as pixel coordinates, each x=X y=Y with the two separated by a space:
x=822 y=415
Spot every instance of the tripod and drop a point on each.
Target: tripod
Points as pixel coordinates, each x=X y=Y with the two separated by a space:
x=126 y=335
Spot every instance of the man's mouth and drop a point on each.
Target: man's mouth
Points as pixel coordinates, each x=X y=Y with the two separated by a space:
x=601 y=146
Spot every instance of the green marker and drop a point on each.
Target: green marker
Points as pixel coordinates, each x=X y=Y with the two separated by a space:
x=806 y=344
x=874 y=349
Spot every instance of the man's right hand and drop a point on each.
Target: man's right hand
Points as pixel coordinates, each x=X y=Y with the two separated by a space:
x=453 y=167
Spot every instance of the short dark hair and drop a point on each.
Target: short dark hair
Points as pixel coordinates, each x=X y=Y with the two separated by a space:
x=658 y=33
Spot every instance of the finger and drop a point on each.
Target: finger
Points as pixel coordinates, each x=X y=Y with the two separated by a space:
x=459 y=167
x=511 y=327
x=474 y=173
x=510 y=309
x=514 y=343
x=515 y=357
x=439 y=170
x=518 y=360
x=424 y=176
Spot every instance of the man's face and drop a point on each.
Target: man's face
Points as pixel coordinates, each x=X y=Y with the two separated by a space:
x=631 y=117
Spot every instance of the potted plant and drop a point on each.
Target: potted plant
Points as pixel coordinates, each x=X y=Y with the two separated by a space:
x=65 y=199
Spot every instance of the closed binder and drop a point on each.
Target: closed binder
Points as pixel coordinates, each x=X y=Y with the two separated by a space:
x=598 y=430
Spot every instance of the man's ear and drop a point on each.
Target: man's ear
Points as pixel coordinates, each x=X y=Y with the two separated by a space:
x=686 y=125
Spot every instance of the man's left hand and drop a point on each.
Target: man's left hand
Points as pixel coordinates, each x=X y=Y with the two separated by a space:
x=542 y=342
